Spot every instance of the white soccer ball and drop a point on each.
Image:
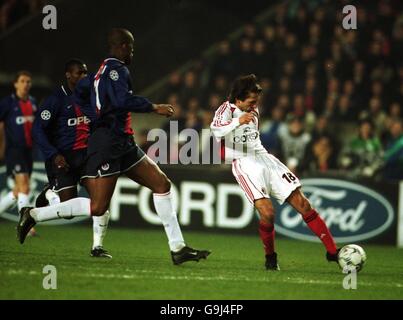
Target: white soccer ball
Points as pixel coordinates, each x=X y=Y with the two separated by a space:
x=352 y=256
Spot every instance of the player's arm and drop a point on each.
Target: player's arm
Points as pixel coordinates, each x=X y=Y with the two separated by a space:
x=223 y=123
x=45 y=116
x=82 y=97
x=119 y=85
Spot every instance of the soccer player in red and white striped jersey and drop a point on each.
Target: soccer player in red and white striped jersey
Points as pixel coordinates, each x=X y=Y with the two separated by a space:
x=261 y=175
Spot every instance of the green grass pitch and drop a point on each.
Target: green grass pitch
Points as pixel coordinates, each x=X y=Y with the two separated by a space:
x=141 y=268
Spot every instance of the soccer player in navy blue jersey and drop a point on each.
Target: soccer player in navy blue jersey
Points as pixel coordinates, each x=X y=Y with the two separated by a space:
x=112 y=152
x=61 y=131
x=17 y=111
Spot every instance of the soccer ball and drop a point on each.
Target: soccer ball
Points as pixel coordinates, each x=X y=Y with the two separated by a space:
x=352 y=256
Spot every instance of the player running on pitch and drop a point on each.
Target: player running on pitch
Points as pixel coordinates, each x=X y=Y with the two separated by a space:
x=260 y=174
x=112 y=152
x=18 y=112
x=61 y=131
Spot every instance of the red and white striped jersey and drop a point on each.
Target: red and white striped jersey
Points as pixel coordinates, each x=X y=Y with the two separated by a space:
x=240 y=140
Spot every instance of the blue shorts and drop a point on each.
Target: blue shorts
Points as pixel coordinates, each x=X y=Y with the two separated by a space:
x=109 y=154
x=18 y=161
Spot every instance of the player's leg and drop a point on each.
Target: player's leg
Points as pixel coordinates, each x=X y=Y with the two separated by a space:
x=250 y=175
x=100 y=223
x=22 y=189
x=148 y=174
x=313 y=220
x=8 y=201
x=101 y=191
x=11 y=198
x=267 y=232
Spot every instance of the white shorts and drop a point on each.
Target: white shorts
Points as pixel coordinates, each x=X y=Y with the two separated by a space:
x=264 y=176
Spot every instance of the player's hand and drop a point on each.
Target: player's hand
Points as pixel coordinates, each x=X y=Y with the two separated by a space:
x=61 y=163
x=246 y=118
x=164 y=109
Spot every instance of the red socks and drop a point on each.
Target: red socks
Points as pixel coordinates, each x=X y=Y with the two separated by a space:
x=318 y=227
x=266 y=232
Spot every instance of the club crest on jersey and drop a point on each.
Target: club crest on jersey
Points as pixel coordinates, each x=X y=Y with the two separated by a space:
x=45 y=115
x=105 y=167
x=114 y=75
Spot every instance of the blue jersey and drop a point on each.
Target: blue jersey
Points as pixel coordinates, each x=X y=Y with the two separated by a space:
x=18 y=116
x=60 y=125
x=113 y=99
x=82 y=97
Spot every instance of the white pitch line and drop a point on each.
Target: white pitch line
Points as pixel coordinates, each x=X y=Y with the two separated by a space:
x=192 y=277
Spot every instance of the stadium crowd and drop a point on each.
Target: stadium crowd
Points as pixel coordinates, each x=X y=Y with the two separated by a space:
x=333 y=97
x=12 y=11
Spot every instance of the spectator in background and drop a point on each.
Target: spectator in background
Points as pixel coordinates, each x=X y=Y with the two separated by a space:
x=321 y=155
x=173 y=86
x=293 y=143
x=376 y=114
x=324 y=128
x=245 y=55
x=393 y=168
x=189 y=87
x=345 y=112
x=395 y=111
x=219 y=86
x=224 y=62
x=272 y=129
x=260 y=66
x=363 y=155
x=214 y=101
x=11 y=11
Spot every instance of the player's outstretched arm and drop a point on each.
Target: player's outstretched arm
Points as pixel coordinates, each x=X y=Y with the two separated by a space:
x=123 y=96
x=166 y=110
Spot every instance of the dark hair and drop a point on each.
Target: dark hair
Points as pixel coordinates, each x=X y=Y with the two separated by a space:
x=119 y=36
x=71 y=63
x=243 y=86
x=22 y=73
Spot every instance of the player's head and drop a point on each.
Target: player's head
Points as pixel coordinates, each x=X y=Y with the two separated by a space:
x=75 y=70
x=22 y=83
x=245 y=92
x=121 y=44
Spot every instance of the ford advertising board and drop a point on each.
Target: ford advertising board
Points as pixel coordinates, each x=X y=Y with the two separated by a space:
x=352 y=211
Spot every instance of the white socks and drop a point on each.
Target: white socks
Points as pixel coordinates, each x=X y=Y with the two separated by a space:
x=23 y=200
x=68 y=209
x=7 y=201
x=166 y=212
x=52 y=197
x=100 y=224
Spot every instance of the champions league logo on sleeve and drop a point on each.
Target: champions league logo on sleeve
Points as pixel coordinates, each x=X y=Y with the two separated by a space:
x=114 y=75
x=38 y=181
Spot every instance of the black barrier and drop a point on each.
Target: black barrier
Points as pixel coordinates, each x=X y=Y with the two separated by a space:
x=209 y=199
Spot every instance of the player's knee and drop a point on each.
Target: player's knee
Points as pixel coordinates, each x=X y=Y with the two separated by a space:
x=266 y=211
x=163 y=186
x=24 y=188
x=98 y=209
